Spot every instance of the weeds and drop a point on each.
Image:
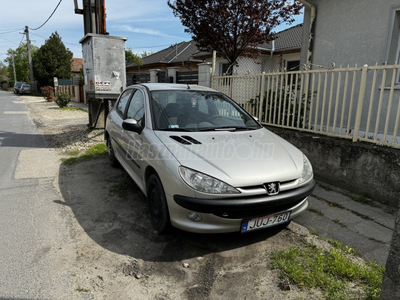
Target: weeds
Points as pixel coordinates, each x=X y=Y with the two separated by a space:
x=316 y=211
x=334 y=204
x=361 y=215
x=361 y=199
x=376 y=241
x=340 y=223
x=121 y=188
x=333 y=272
x=72 y=108
x=93 y=152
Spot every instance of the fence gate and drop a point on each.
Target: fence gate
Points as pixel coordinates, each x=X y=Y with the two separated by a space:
x=187 y=77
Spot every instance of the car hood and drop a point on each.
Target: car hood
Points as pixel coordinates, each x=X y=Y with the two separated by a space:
x=239 y=158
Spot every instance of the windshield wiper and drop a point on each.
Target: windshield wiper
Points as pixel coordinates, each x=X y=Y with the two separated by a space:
x=228 y=128
x=175 y=129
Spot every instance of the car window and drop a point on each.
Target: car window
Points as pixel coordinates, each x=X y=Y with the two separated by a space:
x=136 y=107
x=123 y=100
x=187 y=110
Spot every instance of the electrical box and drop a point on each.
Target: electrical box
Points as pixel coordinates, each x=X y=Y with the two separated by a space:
x=104 y=73
x=104 y=69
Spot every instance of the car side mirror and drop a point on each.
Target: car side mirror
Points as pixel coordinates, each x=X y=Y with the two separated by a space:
x=132 y=125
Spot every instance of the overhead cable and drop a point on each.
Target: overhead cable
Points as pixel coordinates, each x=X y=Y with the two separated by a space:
x=48 y=17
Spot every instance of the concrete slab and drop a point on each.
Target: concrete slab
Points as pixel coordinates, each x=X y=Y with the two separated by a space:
x=37 y=163
x=372 y=230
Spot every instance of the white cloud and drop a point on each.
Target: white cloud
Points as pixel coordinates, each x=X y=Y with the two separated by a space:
x=146 y=31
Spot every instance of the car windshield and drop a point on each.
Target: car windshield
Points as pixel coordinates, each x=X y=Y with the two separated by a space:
x=185 y=110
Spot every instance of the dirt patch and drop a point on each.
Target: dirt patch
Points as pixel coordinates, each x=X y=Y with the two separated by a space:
x=118 y=255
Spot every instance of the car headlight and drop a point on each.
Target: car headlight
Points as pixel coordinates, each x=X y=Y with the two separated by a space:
x=204 y=183
x=307 y=172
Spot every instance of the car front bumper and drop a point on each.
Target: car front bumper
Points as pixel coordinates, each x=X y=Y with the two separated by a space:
x=226 y=215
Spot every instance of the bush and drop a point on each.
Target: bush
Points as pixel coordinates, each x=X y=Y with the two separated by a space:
x=289 y=108
x=62 y=99
x=48 y=93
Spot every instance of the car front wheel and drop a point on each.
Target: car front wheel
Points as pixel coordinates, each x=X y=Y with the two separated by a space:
x=158 y=208
x=111 y=155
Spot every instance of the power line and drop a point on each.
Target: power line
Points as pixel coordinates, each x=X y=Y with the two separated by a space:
x=46 y=38
x=10 y=30
x=48 y=17
x=7 y=40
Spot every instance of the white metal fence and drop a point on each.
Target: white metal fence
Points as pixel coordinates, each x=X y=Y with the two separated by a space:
x=358 y=103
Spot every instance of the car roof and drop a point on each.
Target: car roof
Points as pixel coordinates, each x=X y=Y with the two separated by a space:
x=173 y=86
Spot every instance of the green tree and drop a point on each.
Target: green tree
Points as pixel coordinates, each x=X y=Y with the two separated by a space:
x=51 y=60
x=3 y=72
x=21 y=62
x=231 y=27
x=131 y=57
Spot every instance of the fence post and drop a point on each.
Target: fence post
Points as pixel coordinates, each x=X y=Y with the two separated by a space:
x=171 y=72
x=153 y=75
x=204 y=73
x=260 y=109
x=360 y=103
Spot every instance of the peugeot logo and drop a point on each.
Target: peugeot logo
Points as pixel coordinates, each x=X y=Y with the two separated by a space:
x=272 y=188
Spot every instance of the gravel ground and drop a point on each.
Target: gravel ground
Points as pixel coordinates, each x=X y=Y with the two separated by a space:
x=65 y=130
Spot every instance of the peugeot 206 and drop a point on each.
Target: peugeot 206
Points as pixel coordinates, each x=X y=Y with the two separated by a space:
x=203 y=162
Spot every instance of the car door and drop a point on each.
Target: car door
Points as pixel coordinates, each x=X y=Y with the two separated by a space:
x=132 y=141
x=116 y=118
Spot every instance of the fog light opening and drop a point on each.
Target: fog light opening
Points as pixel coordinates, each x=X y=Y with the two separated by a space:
x=195 y=217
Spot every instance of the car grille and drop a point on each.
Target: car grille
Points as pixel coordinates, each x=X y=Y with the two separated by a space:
x=254 y=213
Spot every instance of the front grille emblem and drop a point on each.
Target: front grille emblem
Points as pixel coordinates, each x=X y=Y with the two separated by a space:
x=272 y=188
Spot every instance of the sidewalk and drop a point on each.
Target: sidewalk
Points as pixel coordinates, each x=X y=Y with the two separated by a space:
x=336 y=214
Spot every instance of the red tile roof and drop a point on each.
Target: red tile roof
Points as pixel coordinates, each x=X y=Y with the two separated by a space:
x=76 y=64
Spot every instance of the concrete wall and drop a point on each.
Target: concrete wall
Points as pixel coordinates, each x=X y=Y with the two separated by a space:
x=358 y=167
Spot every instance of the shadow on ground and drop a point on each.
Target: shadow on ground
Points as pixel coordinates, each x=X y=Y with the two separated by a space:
x=122 y=225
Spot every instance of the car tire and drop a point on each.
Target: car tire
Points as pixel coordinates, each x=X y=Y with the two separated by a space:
x=158 y=208
x=111 y=155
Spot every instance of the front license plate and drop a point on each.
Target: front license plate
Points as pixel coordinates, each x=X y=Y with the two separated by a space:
x=264 y=222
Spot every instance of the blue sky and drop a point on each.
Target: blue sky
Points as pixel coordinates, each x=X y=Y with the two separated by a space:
x=149 y=25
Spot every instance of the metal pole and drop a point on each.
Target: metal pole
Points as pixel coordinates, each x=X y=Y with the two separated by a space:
x=363 y=85
x=15 y=74
x=28 y=43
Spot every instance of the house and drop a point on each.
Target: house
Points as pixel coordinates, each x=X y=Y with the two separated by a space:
x=178 y=55
x=282 y=53
x=76 y=67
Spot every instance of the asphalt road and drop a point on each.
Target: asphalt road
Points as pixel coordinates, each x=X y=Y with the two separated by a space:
x=31 y=227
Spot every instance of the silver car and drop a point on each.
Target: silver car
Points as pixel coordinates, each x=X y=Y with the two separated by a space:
x=203 y=162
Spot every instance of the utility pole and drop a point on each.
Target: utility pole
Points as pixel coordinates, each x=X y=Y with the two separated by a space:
x=28 y=43
x=15 y=74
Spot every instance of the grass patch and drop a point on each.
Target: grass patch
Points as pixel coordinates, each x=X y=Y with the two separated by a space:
x=333 y=272
x=121 y=188
x=316 y=211
x=71 y=108
x=361 y=215
x=340 y=223
x=93 y=152
x=79 y=289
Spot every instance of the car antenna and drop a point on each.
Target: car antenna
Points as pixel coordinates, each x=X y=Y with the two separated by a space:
x=188 y=86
